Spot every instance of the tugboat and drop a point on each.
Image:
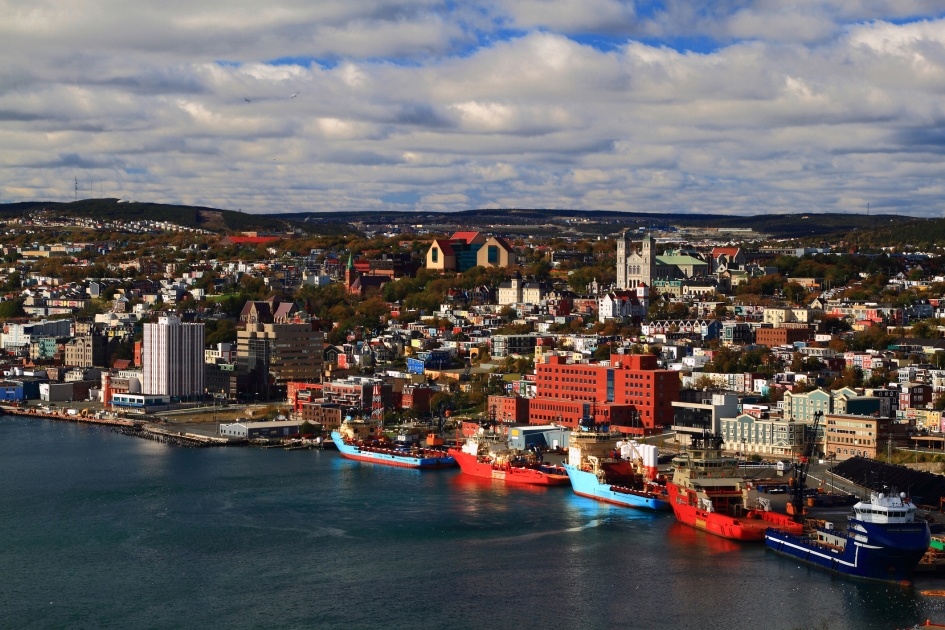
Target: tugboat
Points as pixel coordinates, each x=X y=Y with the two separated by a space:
x=706 y=492
x=598 y=470
x=883 y=541
x=355 y=440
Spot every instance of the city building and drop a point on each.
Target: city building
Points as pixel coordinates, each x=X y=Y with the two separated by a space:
x=507 y=345
x=429 y=360
x=517 y=290
x=696 y=418
x=328 y=415
x=173 y=358
x=495 y=252
x=276 y=354
x=357 y=392
x=782 y=336
x=508 y=409
x=622 y=304
x=87 y=351
x=914 y=395
x=857 y=436
x=763 y=434
x=631 y=395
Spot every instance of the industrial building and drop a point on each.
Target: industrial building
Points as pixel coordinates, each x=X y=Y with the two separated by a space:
x=260 y=430
x=544 y=436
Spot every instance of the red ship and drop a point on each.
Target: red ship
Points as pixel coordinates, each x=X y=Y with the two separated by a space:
x=508 y=466
x=706 y=492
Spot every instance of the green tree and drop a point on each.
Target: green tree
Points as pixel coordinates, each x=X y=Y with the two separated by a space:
x=220 y=331
x=794 y=293
x=11 y=308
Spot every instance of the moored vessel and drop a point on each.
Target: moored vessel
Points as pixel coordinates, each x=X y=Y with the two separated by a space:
x=883 y=541
x=598 y=469
x=511 y=466
x=355 y=441
x=707 y=492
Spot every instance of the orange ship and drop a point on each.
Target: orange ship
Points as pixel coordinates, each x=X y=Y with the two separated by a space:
x=706 y=492
x=476 y=459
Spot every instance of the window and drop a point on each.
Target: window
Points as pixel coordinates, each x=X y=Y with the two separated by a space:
x=493 y=255
x=435 y=255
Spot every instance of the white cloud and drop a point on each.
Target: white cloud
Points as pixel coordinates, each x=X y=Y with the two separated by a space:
x=802 y=106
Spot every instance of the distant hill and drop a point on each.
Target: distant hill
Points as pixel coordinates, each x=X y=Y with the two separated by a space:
x=212 y=219
x=874 y=230
x=777 y=225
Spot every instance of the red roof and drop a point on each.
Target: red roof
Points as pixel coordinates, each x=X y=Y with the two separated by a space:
x=731 y=251
x=464 y=236
x=444 y=246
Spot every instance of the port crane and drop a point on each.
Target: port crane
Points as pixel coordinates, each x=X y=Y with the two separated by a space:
x=796 y=506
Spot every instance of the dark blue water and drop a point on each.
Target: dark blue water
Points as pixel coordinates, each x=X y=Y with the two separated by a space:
x=100 y=530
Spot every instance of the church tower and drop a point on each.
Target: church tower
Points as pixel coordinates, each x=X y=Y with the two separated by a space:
x=649 y=261
x=623 y=247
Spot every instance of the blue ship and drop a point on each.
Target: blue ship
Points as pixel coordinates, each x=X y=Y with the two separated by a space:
x=586 y=484
x=598 y=468
x=383 y=452
x=883 y=542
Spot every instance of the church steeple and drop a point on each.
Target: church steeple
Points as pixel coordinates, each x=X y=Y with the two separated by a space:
x=350 y=274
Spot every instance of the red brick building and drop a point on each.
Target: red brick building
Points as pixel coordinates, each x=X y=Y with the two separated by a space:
x=328 y=415
x=914 y=395
x=508 y=409
x=565 y=392
x=782 y=336
x=418 y=398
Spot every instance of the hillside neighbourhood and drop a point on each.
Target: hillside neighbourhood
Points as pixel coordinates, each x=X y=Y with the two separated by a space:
x=654 y=330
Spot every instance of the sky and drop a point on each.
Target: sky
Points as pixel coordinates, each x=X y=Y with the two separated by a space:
x=726 y=106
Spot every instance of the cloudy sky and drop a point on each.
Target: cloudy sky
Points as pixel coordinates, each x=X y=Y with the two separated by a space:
x=734 y=106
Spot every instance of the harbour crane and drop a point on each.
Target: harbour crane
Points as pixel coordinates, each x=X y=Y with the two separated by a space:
x=796 y=506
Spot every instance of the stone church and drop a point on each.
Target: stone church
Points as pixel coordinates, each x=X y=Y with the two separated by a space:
x=644 y=265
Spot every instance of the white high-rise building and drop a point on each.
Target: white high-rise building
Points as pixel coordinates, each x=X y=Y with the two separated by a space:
x=173 y=357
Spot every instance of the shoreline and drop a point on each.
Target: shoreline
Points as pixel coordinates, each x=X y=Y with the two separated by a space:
x=149 y=431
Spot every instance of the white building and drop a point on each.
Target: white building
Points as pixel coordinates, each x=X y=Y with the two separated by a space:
x=15 y=335
x=620 y=304
x=173 y=358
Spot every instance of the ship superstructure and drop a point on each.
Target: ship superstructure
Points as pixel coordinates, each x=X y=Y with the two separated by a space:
x=883 y=541
x=708 y=493
x=482 y=457
x=599 y=469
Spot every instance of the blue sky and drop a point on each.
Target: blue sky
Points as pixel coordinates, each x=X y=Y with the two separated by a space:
x=732 y=106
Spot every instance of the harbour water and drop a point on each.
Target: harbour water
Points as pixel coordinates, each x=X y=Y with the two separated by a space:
x=101 y=530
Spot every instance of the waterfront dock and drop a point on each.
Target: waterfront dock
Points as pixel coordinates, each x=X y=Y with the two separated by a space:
x=33 y=412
